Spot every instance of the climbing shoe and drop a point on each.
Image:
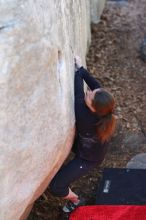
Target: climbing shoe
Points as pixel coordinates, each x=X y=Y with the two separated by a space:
x=70 y=206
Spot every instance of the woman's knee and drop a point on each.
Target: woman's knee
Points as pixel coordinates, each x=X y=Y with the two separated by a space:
x=52 y=187
x=58 y=189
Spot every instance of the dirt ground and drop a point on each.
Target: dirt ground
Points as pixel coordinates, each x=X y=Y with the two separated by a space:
x=114 y=58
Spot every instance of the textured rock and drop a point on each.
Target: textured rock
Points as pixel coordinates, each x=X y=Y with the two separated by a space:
x=134 y=141
x=138 y=162
x=37 y=42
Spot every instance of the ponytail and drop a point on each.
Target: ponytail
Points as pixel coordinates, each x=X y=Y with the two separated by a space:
x=104 y=105
x=106 y=127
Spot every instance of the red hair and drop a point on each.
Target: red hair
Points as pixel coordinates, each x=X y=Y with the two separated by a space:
x=104 y=105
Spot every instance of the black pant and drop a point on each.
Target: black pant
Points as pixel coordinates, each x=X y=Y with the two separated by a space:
x=76 y=168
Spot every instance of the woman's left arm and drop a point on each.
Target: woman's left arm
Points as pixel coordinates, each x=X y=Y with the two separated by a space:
x=84 y=74
x=78 y=86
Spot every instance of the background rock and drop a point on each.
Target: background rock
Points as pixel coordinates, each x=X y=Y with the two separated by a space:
x=137 y=162
x=96 y=7
x=37 y=44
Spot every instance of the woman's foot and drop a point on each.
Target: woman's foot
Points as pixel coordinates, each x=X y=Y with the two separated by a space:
x=70 y=206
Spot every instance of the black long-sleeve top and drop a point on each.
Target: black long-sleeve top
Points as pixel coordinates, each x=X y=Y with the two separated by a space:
x=89 y=147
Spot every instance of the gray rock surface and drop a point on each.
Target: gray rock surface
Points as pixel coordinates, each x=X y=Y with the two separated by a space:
x=138 y=162
x=134 y=141
x=38 y=40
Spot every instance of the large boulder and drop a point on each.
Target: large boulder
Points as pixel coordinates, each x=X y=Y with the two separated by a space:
x=37 y=43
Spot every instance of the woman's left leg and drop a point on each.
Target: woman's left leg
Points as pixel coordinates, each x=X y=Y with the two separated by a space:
x=72 y=171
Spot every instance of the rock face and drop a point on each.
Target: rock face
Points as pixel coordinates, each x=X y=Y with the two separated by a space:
x=37 y=42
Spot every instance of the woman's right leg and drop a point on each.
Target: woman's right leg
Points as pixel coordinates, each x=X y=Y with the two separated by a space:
x=72 y=171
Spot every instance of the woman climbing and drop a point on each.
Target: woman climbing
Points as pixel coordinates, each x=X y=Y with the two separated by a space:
x=95 y=125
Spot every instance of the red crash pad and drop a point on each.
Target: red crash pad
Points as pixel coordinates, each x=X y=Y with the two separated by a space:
x=109 y=212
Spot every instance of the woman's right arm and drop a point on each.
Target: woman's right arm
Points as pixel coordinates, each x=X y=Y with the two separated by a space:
x=90 y=80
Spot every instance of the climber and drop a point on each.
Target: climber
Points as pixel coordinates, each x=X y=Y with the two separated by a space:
x=95 y=125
